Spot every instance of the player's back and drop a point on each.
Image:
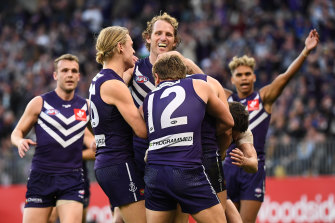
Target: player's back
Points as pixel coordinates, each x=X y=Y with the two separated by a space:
x=173 y=113
x=208 y=128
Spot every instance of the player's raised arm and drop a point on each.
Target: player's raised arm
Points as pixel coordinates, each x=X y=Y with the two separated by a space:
x=272 y=91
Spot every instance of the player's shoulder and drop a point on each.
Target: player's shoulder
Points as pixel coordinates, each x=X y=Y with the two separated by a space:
x=35 y=105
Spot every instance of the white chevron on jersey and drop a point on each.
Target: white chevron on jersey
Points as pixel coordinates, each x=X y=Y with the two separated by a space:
x=139 y=89
x=56 y=137
x=60 y=127
x=258 y=120
x=255 y=112
x=252 y=114
x=148 y=83
x=69 y=120
x=139 y=101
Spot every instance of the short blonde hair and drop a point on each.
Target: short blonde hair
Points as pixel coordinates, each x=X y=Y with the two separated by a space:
x=242 y=61
x=107 y=41
x=169 y=67
x=167 y=18
x=67 y=56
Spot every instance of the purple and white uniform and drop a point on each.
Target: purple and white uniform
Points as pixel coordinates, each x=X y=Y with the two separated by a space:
x=242 y=185
x=114 y=164
x=174 y=173
x=142 y=83
x=210 y=151
x=56 y=170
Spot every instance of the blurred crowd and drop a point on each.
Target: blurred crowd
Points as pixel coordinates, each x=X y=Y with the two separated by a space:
x=34 y=32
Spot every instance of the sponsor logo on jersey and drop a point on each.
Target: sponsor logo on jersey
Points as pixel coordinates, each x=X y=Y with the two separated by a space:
x=80 y=114
x=253 y=105
x=34 y=200
x=141 y=79
x=100 y=140
x=181 y=139
x=52 y=111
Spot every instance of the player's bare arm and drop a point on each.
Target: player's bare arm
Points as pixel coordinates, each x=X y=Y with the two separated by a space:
x=224 y=140
x=89 y=142
x=227 y=92
x=117 y=93
x=192 y=68
x=218 y=89
x=215 y=106
x=25 y=124
x=272 y=91
x=245 y=155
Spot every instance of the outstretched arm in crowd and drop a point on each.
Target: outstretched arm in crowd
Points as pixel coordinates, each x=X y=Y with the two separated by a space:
x=271 y=92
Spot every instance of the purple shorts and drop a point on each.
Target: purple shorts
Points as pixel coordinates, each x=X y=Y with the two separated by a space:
x=167 y=185
x=121 y=183
x=214 y=171
x=44 y=189
x=244 y=186
x=140 y=146
x=87 y=194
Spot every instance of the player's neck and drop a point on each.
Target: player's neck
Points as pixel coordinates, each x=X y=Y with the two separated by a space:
x=116 y=65
x=244 y=94
x=152 y=58
x=66 y=96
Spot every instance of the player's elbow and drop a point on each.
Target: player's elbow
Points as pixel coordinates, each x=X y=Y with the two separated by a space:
x=225 y=124
x=230 y=122
x=141 y=132
x=253 y=168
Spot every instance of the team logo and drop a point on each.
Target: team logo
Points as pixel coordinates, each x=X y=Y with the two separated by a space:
x=80 y=114
x=258 y=190
x=52 y=111
x=141 y=79
x=253 y=105
x=132 y=187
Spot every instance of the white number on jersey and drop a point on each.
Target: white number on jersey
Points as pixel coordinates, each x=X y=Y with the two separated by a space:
x=165 y=119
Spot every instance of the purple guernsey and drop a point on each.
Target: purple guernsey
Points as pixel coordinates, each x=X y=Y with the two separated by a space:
x=59 y=134
x=173 y=113
x=113 y=136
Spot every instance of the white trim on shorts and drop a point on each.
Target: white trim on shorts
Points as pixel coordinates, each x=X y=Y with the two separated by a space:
x=131 y=181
